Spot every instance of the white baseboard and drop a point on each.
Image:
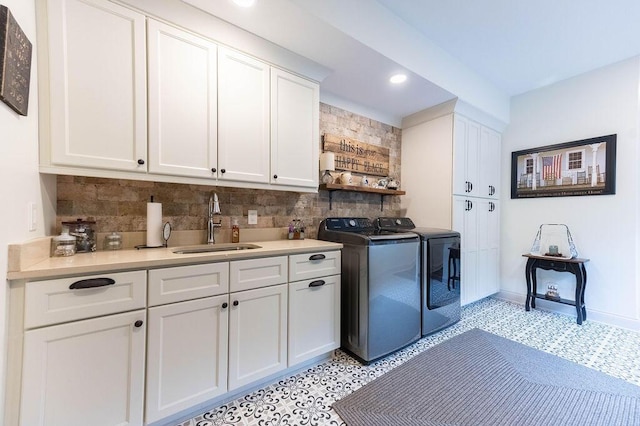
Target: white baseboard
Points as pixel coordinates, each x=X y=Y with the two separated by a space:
x=632 y=324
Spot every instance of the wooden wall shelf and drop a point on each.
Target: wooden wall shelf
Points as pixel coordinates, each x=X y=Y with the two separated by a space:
x=331 y=187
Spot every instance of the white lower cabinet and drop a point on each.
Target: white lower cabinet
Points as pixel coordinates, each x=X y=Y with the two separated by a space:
x=314 y=304
x=257 y=334
x=314 y=318
x=188 y=337
x=478 y=221
x=85 y=372
x=138 y=347
x=187 y=361
x=83 y=354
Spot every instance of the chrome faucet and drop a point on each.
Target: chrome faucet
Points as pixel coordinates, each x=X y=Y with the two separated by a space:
x=214 y=209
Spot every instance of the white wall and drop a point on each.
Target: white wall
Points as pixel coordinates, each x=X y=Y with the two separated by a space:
x=20 y=182
x=605 y=228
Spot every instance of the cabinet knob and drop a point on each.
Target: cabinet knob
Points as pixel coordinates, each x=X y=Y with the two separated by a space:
x=275 y=176
x=138 y=323
x=235 y=303
x=141 y=161
x=223 y=171
x=224 y=305
x=214 y=170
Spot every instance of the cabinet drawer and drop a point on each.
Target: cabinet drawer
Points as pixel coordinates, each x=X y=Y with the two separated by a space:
x=256 y=273
x=182 y=283
x=314 y=318
x=70 y=299
x=312 y=265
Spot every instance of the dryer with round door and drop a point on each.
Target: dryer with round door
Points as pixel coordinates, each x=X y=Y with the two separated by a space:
x=439 y=272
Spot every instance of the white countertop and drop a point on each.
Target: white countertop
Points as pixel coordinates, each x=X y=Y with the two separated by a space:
x=110 y=261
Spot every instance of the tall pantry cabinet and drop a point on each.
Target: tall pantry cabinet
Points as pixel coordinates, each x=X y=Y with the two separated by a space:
x=454 y=165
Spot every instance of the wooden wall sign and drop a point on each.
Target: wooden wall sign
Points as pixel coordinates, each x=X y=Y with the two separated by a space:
x=356 y=156
x=15 y=63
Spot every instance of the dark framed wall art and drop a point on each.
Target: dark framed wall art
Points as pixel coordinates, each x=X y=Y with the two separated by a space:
x=15 y=63
x=584 y=167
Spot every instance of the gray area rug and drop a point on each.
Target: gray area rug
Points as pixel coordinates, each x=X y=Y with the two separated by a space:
x=478 y=378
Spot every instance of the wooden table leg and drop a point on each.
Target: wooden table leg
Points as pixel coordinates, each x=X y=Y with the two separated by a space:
x=584 y=285
x=528 y=272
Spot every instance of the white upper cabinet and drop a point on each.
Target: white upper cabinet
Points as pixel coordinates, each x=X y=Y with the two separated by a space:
x=476 y=159
x=466 y=156
x=294 y=130
x=126 y=96
x=182 y=102
x=97 y=95
x=243 y=117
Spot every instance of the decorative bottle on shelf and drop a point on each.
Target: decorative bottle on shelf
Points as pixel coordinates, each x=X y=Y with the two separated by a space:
x=235 y=232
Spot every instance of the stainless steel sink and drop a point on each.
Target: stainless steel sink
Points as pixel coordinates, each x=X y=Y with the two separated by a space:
x=213 y=248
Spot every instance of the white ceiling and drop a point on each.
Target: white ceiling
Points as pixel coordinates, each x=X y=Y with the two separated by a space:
x=523 y=45
x=470 y=49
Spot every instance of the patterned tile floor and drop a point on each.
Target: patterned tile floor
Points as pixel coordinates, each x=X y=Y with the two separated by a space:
x=306 y=398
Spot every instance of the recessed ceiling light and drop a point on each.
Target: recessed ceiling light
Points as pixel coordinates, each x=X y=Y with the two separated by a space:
x=398 y=78
x=244 y=3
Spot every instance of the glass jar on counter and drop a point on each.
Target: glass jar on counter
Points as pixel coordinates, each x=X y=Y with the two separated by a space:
x=85 y=235
x=112 y=241
x=63 y=244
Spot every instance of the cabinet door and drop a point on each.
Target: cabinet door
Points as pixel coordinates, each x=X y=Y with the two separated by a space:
x=466 y=154
x=243 y=117
x=257 y=334
x=97 y=85
x=465 y=221
x=295 y=140
x=488 y=248
x=182 y=103
x=314 y=318
x=187 y=355
x=85 y=372
x=489 y=163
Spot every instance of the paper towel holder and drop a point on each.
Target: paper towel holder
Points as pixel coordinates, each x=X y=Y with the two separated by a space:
x=166 y=233
x=160 y=229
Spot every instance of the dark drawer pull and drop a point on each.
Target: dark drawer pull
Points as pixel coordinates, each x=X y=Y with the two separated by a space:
x=317 y=257
x=317 y=283
x=91 y=283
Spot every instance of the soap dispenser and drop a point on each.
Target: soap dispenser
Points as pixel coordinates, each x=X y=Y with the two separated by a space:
x=235 y=232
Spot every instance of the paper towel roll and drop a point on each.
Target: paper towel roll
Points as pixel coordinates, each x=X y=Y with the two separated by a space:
x=154 y=224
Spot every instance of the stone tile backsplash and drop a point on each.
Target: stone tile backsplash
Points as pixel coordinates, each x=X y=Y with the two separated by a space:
x=120 y=205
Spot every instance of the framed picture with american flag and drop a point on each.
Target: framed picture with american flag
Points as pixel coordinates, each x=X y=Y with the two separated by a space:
x=584 y=167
